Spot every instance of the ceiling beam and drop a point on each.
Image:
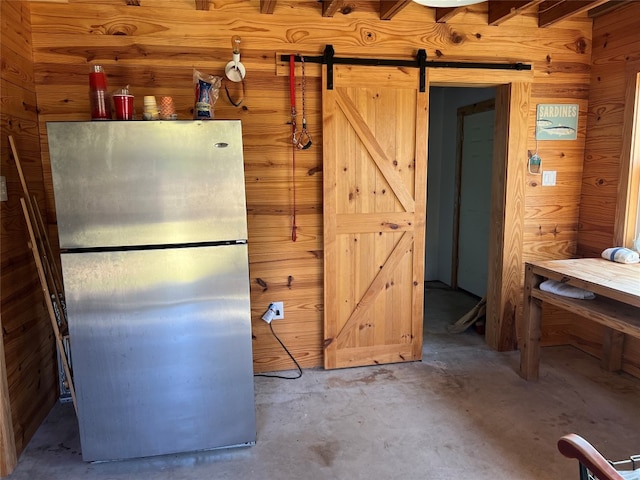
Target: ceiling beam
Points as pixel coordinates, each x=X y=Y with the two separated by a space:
x=500 y=11
x=550 y=12
x=267 y=6
x=606 y=8
x=331 y=7
x=202 y=4
x=388 y=9
x=444 y=14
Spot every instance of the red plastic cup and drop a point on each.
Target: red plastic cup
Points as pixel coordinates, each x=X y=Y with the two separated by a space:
x=124 y=106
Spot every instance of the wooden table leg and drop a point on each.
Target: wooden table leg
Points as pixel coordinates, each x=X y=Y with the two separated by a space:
x=530 y=348
x=612 y=350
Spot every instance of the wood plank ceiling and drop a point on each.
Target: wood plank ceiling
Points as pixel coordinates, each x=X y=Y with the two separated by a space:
x=498 y=11
x=548 y=11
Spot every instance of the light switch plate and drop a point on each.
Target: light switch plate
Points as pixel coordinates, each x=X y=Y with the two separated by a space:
x=548 y=178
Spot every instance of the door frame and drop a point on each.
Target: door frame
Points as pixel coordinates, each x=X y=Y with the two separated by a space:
x=511 y=129
x=478 y=107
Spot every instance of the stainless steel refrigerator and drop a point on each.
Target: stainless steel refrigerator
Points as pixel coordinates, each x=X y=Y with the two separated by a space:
x=152 y=226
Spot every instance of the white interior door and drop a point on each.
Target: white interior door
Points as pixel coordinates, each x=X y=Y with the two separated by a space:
x=475 y=202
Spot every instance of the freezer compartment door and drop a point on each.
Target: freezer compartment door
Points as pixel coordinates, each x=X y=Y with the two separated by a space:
x=161 y=344
x=147 y=183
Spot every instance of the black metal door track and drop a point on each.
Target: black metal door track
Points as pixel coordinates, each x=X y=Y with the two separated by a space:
x=329 y=59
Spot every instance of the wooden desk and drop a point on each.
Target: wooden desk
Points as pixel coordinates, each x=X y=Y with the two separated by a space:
x=616 y=306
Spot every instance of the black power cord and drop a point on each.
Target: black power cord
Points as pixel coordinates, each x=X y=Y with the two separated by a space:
x=290 y=356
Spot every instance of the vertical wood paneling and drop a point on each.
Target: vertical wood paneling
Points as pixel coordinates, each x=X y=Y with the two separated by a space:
x=155 y=46
x=616 y=37
x=629 y=183
x=27 y=366
x=615 y=50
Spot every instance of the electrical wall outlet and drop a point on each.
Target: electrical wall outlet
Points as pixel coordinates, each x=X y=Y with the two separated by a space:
x=278 y=308
x=274 y=312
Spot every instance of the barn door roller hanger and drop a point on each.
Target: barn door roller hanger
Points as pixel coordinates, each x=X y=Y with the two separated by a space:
x=329 y=59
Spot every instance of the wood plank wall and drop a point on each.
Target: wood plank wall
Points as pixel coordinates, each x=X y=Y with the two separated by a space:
x=28 y=340
x=615 y=47
x=154 y=46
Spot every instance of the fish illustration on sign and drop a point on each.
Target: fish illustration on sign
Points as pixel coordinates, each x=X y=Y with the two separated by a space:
x=560 y=130
x=557 y=121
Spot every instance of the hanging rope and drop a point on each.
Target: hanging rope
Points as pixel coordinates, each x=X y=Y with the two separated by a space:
x=294 y=141
x=304 y=139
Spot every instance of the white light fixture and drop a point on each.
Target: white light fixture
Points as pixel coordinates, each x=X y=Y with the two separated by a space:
x=446 y=3
x=235 y=70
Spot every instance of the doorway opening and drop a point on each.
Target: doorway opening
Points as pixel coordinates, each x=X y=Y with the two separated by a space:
x=461 y=128
x=400 y=163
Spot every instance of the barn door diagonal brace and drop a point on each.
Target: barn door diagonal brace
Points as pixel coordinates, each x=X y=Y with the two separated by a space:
x=329 y=59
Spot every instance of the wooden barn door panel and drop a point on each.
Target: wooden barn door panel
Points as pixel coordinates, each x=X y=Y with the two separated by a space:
x=375 y=134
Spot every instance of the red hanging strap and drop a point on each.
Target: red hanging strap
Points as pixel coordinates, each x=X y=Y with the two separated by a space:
x=292 y=82
x=292 y=94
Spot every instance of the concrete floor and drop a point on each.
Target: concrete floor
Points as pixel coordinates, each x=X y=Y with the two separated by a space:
x=463 y=412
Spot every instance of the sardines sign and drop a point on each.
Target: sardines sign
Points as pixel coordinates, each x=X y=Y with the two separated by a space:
x=557 y=121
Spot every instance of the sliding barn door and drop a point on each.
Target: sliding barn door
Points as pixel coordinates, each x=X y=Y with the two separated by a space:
x=374 y=167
